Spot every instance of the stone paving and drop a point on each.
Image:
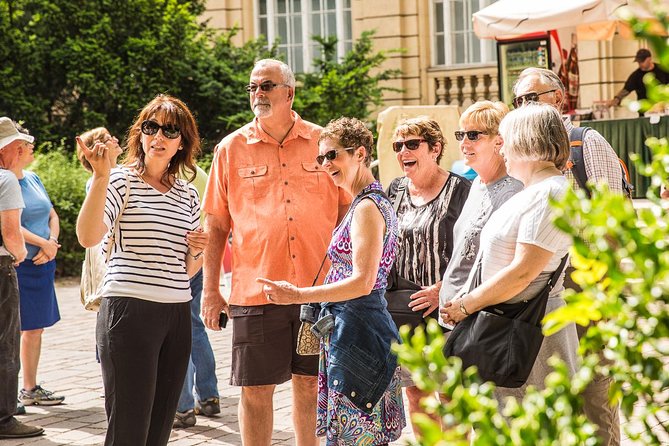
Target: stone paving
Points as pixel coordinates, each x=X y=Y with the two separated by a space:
x=68 y=366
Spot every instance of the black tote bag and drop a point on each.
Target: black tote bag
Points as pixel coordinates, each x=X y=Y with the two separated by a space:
x=503 y=340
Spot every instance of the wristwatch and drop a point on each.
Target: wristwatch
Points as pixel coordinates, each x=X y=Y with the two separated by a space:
x=462 y=308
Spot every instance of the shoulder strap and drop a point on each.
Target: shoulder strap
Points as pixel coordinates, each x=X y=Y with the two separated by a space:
x=369 y=192
x=399 y=196
x=576 y=148
x=117 y=222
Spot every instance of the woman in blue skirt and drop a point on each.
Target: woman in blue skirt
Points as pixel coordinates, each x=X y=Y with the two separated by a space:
x=38 y=305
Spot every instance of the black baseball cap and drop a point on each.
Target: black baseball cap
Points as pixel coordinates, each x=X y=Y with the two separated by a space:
x=641 y=55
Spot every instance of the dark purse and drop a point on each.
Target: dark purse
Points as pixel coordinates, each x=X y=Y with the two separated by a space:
x=503 y=340
x=398 y=295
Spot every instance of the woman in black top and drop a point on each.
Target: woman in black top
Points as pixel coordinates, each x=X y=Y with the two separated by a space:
x=429 y=205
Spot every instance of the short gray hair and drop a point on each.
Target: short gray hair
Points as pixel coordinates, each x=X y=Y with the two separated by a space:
x=535 y=132
x=286 y=72
x=547 y=77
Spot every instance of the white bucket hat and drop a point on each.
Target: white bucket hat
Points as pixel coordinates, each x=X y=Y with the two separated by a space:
x=9 y=133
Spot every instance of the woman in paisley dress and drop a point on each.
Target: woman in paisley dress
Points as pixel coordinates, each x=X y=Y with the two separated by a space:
x=359 y=391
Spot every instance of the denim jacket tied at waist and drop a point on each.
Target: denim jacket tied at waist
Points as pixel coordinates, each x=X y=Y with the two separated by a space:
x=361 y=364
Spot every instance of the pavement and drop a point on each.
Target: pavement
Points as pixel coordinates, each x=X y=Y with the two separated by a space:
x=68 y=367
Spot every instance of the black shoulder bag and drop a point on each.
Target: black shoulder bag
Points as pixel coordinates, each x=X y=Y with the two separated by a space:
x=399 y=290
x=503 y=340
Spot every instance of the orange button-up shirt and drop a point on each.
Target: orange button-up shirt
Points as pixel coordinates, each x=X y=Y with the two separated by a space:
x=280 y=205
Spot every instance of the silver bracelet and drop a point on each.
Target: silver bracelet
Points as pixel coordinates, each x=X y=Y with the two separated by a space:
x=197 y=256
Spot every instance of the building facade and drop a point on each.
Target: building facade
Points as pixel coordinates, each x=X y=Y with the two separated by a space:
x=443 y=61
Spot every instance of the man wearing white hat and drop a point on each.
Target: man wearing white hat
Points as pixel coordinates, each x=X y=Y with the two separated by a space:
x=12 y=252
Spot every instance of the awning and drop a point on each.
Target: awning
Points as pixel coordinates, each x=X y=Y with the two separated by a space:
x=594 y=19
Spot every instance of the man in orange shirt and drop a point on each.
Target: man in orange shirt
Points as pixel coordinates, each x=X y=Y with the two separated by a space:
x=267 y=188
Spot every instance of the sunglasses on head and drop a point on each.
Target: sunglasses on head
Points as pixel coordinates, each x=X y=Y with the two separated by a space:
x=330 y=155
x=472 y=135
x=152 y=127
x=411 y=144
x=519 y=101
x=266 y=86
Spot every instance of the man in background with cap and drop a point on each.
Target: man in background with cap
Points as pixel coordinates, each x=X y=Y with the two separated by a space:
x=12 y=252
x=635 y=81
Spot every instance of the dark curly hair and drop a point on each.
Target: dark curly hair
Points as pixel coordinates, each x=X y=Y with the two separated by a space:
x=350 y=132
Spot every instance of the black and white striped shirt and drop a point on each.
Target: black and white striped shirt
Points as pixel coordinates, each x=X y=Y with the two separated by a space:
x=148 y=259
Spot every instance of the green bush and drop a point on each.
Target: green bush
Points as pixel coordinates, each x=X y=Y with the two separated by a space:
x=65 y=181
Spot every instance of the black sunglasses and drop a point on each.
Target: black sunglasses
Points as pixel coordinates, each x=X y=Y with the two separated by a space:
x=330 y=155
x=266 y=86
x=152 y=127
x=411 y=144
x=472 y=135
x=529 y=97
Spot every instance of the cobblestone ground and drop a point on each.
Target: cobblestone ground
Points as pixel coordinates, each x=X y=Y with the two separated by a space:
x=68 y=366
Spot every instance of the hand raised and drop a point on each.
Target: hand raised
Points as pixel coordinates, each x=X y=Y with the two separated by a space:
x=99 y=156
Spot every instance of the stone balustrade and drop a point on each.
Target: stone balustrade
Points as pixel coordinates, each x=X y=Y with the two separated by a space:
x=463 y=86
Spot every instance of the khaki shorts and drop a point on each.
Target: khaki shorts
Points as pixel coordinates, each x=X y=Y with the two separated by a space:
x=264 y=339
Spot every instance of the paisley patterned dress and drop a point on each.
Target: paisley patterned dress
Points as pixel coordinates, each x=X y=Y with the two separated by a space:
x=338 y=419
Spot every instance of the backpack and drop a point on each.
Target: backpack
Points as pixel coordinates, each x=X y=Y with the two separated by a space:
x=576 y=137
x=95 y=263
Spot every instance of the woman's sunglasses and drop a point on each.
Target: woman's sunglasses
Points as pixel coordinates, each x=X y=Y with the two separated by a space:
x=330 y=155
x=152 y=127
x=472 y=135
x=529 y=97
x=411 y=144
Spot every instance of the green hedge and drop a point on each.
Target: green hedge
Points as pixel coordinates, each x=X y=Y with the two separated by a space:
x=65 y=181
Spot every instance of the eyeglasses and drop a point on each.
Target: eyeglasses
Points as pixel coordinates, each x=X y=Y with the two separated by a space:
x=472 y=135
x=266 y=86
x=330 y=155
x=529 y=97
x=411 y=144
x=152 y=127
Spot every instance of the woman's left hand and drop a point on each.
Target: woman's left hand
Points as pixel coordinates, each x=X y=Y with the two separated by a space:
x=426 y=300
x=450 y=312
x=197 y=241
x=280 y=293
x=46 y=253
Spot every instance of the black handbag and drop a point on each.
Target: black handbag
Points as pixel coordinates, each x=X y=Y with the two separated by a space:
x=398 y=297
x=399 y=290
x=503 y=340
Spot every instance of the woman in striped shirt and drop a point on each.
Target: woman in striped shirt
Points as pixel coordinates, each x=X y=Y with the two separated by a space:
x=148 y=222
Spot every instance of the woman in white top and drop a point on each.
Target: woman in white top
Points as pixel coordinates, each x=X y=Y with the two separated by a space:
x=143 y=328
x=520 y=245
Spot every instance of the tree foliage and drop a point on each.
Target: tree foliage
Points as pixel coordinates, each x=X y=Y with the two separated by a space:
x=621 y=258
x=347 y=87
x=69 y=66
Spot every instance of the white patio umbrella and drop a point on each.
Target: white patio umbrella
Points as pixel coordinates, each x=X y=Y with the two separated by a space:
x=594 y=19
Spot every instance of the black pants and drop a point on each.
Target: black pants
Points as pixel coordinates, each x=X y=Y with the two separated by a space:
x=10 y=336
x=144 y=348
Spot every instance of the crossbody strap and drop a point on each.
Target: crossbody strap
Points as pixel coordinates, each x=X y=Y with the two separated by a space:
x=369 y=192
x=399 y=196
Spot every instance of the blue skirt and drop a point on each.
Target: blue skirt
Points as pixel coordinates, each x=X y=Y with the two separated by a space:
x=39 y=307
